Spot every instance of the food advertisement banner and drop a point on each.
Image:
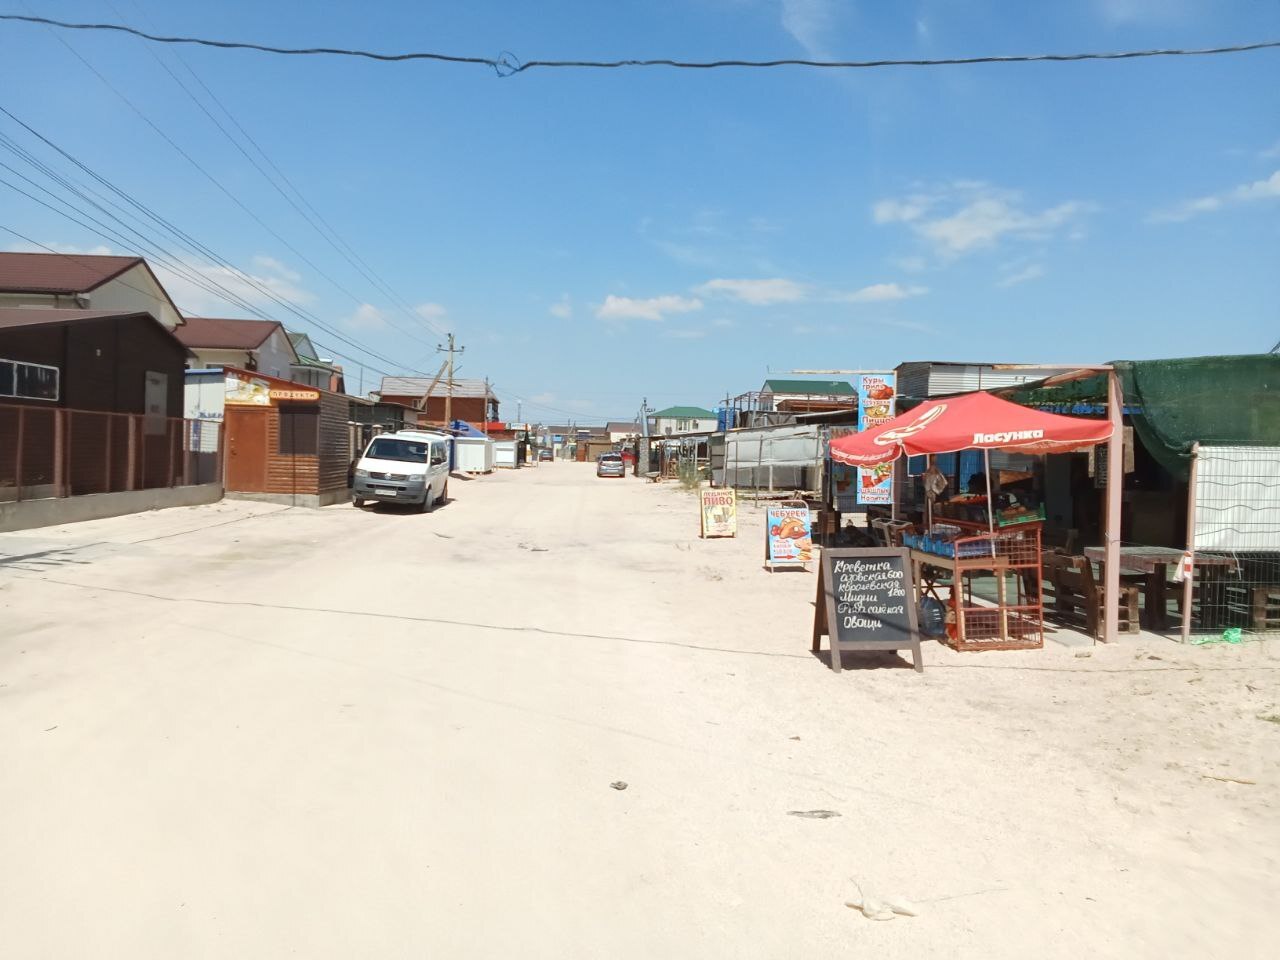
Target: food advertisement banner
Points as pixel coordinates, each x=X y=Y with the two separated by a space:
x=787 y=534
x=875 y=408
x=252 y=391
x=845 y=481
x=719 y=509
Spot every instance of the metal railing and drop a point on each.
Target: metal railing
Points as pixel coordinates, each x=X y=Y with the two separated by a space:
x=56 y=452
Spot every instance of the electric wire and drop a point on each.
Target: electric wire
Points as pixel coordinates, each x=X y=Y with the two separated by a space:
x=507 y=64
x=331 y=237
x=184 y=270
x=217 y=183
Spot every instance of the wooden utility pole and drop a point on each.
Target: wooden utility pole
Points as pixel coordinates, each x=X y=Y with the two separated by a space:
x=448 y=397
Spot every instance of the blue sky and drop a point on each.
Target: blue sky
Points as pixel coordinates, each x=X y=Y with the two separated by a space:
x=594 y=237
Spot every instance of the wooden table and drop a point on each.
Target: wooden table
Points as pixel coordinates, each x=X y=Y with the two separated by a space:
x=1155 y=562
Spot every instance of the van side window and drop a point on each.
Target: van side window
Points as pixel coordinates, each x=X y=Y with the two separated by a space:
x=438 y=454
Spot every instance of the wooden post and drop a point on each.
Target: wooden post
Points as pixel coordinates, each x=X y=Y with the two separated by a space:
x=131 y=451
x=169 y=437
x=186 y=452
x=1115 y=485
x=1188 y=582
x=59 y=453
x=17 y=463
x=106 y=488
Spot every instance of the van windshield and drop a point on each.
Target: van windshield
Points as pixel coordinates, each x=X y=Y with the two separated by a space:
x=409 y=451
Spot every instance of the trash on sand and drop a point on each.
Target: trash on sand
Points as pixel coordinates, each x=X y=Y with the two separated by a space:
x=619 y=784
x=881 y=908
x=1081 y=654
x=813 y=814
x=1248 y=783
x=1229 y=635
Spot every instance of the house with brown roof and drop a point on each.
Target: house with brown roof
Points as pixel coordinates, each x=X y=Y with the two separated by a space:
x=473 y=400
x=123 y=285
x=259 y=345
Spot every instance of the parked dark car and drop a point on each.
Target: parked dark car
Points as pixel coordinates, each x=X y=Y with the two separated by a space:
x=544 y=453
x=610 y=465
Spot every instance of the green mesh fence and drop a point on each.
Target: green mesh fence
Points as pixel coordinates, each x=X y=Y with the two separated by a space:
x=1175 y=403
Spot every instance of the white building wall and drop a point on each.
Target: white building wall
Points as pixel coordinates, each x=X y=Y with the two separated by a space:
x=660 y=425
x=276 y=356
x=220 y=358
x=134 y=290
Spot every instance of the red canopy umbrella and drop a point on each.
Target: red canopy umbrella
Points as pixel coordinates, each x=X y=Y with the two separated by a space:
x=971 y=421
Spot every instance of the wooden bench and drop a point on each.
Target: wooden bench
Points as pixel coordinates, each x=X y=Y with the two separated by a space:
x=1077 y=594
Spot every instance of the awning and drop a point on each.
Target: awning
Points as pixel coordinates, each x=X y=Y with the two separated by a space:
x=972 y=421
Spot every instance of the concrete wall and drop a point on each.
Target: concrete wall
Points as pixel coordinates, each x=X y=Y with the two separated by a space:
x=29 y=514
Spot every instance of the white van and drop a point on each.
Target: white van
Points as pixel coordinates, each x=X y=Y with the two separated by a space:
x=409 y=466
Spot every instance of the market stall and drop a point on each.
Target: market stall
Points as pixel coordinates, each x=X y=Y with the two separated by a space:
x=976 y=535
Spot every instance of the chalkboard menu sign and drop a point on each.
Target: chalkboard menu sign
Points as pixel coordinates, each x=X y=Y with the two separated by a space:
x=865 y=602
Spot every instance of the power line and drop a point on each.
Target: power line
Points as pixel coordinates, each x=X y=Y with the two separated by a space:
x=506 y=64
x=331 y=236
x=217 y=183
x=191 y=274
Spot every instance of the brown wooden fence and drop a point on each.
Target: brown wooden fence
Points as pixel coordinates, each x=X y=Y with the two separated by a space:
x=55 y=452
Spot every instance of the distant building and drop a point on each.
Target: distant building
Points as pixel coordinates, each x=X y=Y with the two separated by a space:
x=683 y=420
x=473 y=400
x=806 y=396
x=312 y=369
x=121 y=285
x=622 y=431
x=261 y=346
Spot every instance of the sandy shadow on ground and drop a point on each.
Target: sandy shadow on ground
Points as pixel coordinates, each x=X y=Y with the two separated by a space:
x=868 y=660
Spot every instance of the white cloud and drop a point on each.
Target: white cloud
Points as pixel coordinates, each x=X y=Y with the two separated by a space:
x=910 y=264
x=690 y=334
x=755 y=292
x=809 y=22
x=272 y=265
x=430 y=311
x=653 y=308
x=901 y=211
x=722 y=322
x=562 y=308
x=23 y=247
x=968 y=215
x=365 y=317
x=252 y=287
x=1267 y=189
x=881 y=293
x=1031 y=272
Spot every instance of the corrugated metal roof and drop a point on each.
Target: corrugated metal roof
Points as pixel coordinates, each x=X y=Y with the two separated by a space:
x=214 y=333
x=615 y=426
x=60 y=273
x=417 y=387
x=812 y=388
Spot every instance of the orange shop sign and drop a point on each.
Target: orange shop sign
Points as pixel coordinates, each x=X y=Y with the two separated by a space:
x=283 y=394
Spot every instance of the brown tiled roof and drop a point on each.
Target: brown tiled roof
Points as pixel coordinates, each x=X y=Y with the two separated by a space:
x=212 y=333
x=59 y=272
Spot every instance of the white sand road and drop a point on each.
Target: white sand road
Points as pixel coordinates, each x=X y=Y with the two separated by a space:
x=244 y=730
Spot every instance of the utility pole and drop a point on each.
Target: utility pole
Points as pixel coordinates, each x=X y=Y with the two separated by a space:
x=448 y=397
x=484 y=424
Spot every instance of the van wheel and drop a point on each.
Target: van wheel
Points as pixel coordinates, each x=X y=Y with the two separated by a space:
x=428 y=504
x=357 y=502
x=444 y=494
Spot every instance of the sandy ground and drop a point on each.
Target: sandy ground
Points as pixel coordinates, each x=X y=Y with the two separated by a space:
x=243 y=730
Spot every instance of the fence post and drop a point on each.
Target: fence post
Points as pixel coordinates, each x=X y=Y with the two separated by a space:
x=131 y=466
x=59 y=454
x=1188 y=584
x=169 y=438
x=17 y=462
x=106 y=488
x=187 y=427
